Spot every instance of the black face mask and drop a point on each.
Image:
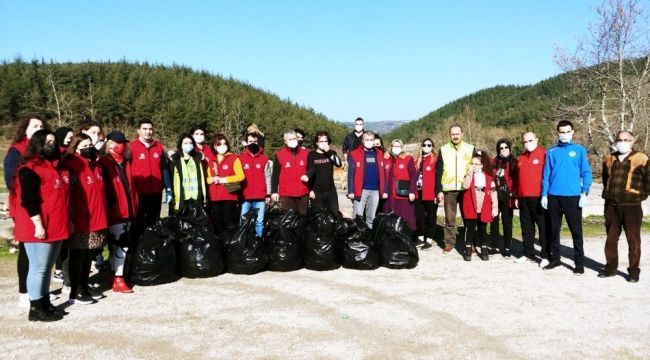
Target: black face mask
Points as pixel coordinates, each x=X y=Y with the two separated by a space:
x=89 y=153
x=254 y=148
x=300 y=142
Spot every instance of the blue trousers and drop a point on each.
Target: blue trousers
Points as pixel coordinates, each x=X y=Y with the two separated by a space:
x=246 y=206
x=41 y=256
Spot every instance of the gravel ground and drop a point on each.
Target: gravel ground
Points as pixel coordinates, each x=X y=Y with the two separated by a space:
x=444 y=308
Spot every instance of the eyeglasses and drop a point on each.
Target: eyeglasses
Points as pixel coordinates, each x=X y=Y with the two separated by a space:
x=623 y=140
x=427 y=145
x=504 y=148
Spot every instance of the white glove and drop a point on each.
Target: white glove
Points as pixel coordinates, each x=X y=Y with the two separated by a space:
x=583 y=200
x=545 y=202
x=168 y=196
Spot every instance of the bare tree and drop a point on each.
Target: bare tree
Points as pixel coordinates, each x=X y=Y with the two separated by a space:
x=610 y=75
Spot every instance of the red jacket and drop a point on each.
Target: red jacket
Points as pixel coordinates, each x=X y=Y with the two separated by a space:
x=55 y=190
x=254 y=186
x=222 y=169
x=359 y=158
x=88 y=195
x=147 y=166
x=530 y=167
x=116 y=191
x=429 y=177
x=399 y=166
x=469 y=202
x=291 y=169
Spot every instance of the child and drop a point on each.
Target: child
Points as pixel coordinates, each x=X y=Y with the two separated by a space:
x=480 y=203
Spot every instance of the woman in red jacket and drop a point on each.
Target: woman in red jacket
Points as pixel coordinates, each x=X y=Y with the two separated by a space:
x=223 y=168
x=41 y=219
x=88 y=198
x=122 y=203
x=504 y=174
x=480 y=204
x=426 y=204
x=401 y=184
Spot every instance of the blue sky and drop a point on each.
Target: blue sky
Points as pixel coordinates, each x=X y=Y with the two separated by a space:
x=382 y=60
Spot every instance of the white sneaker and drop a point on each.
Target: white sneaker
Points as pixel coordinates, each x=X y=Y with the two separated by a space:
x=523 y=259
x=543 y=263
x=65 y=289
x=58 y=276
x=23 y=301
x=53 y=297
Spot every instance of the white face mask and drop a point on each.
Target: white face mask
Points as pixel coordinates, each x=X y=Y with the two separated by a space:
x=292 y=144
x=565 y=138
x=187 y=148
x=427 y=150
x=396 y=150
x=324 y=147
x=358 y=128
x=30 y=132
x=530 y=146
x=199 y=139
x=623 y=147
x=221 y=149
x=99 y=144
x=369 y=144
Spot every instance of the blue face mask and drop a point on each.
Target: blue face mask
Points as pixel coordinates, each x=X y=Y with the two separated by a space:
x=187 y=148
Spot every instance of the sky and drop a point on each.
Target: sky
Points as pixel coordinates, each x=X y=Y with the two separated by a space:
x=381 y=60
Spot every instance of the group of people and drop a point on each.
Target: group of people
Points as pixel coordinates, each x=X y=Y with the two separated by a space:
x=74 y=191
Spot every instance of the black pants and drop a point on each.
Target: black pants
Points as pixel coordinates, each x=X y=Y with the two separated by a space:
x=567 y=206
x=224 y=215
x=475 y=232
x=149 y=206
x=531 y=213
x=326 y=200
x=22 y=267
x=425 y=217
x=79 y=261
x=505 y=215
x=63 y=254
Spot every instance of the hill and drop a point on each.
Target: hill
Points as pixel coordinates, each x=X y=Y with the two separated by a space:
x=504 y=107
x=118 y=94
x=381 y=127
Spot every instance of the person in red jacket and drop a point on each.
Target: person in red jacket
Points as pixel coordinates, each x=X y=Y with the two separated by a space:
x=198 y=134
x=426 y=204
x=122 y=203
x=150 y=175
x=27 y=126
x=528 y=193
x=480 y=204
x=89 y=220
x=366 y=178
x=256 y=187
x=400 y=188
x=41 y=218
x=504 y=178
x=223 y=168
x=289 y=179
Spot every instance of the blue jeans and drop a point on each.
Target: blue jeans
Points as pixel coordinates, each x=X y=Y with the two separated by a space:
x=260 y=205
x=41 y=259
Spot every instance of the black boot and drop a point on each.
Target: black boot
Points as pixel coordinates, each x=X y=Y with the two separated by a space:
x=38 y=313
x=484 y=254
x=51 y=308
x=467 y=256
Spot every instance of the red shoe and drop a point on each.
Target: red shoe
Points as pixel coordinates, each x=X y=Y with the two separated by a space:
x=119 y=285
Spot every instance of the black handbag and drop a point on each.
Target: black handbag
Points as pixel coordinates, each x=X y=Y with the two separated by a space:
x=403 y=187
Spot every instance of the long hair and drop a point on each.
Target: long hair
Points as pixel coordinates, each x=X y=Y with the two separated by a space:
x=216 y=139
x=418 y=161
x=23 y=123
x=179 y=144
x=34 y=151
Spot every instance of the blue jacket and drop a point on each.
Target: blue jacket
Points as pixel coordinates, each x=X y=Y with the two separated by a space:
x=567 y=171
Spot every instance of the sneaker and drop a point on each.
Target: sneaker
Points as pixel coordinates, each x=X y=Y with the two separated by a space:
x=506 y=253
x=23 y=301
x=523 y=260
x=579 y=270
x=606 y=274
x=65 y=289
x=92 y=294
x=448 y=248
x=427 y=245
x=543 y=263
x=53 y=297
x=82 y=299
x=58 y=276
x=552 y=265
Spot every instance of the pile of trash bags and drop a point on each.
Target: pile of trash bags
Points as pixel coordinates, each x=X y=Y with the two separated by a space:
x=185 y=245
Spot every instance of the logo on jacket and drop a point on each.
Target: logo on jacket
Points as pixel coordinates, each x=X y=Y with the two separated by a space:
x=302 y=163
x=428 y=168
x=572 y=153
x=89 y=180
x=246 y=167
x=66 y=179
x=57 y=183
x=142 y=156
x=535 y=162
x=287 y=165
x=155 y=155
x=401 y=166
x=257 y=166
x=358 y=164
x=225 y=167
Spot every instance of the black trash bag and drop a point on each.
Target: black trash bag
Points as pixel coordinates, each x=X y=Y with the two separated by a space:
x=356 y=247
x=246 y=253
x=200 y=251
x=319 y=241
x=284 y=228
x=153 y=260
x=394 y=240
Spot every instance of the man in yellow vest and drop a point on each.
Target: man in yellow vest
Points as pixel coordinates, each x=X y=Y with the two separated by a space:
x=454 y=160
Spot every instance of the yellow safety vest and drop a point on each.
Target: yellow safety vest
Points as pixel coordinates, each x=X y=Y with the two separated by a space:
x=456 y=163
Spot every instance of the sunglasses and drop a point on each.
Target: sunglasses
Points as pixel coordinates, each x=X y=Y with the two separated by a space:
x=427 y=145
x=503 y=148
x=623 y=140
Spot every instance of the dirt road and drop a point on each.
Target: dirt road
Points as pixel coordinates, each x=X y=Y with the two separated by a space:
x=444 y=308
